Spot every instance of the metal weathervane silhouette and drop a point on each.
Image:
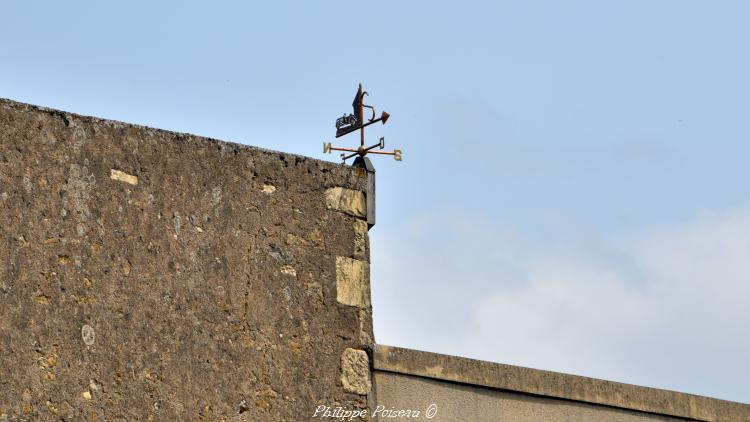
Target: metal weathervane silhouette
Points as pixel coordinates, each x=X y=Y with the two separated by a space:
x=356 y=121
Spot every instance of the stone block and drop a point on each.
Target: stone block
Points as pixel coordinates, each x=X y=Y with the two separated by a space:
x=352 y=282
x=123 y=177
x=355 y=371
x=346 y=200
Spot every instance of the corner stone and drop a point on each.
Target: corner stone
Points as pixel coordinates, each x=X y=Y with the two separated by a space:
x=360 y=239
x=352 y=282
x=346 y=200
x=355 y=371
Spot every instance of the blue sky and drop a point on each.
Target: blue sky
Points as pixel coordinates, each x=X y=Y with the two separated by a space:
x=573 y=192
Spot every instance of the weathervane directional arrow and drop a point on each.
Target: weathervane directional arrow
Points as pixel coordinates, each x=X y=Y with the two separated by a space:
x=356 y=121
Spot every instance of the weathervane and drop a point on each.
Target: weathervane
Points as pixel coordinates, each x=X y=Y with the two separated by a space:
x=356 y=121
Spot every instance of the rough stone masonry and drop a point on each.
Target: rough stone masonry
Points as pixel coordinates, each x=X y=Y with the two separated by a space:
x=152 y=275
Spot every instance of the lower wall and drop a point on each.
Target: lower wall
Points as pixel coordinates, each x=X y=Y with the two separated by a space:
x=457 y=388
x=461 y=402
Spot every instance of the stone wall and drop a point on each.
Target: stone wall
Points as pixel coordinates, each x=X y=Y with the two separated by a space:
x=152 y=275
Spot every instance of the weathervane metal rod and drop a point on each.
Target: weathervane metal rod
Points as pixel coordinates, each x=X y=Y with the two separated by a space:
x=344 y=149
x=348 y=156
x=382 y=152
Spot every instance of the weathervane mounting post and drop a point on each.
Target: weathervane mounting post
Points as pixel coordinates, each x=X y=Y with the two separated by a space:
x=356 y=121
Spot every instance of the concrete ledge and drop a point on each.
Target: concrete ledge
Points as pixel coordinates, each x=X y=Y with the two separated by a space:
x=557 y=385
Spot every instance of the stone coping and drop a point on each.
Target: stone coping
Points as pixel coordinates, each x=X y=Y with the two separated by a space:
x=557 y=385
x=185 y=137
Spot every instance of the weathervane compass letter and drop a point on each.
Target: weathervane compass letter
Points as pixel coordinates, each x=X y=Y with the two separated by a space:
x=356 y=121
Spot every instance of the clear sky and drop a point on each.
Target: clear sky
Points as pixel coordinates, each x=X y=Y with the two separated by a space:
x=573 y=194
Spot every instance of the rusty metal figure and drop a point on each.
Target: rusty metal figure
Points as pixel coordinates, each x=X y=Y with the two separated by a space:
x=356 y=121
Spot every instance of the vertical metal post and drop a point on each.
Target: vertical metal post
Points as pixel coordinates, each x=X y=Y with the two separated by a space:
x=362 y=113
